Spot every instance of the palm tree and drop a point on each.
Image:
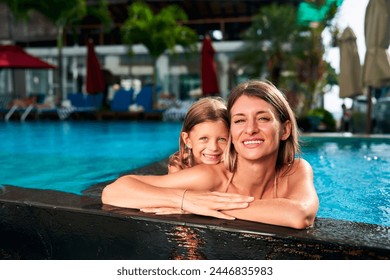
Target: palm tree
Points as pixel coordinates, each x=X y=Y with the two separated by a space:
x=157 y=32
x=286 y=52
x=269 y=41
x=62 y=14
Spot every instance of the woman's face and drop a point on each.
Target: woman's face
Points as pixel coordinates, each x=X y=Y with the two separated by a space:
x=208 y=141
x=255 y=128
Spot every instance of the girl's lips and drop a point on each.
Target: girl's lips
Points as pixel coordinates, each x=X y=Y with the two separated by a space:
x=213 y=157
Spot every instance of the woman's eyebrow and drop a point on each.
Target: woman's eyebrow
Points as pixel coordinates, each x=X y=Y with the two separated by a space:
x=258 y=112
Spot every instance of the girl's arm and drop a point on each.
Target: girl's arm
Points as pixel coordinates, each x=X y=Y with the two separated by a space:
x=139 y=192
x=297 y=208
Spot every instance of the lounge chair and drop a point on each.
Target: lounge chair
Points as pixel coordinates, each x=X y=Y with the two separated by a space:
x=178 y=112
x=84 y=104
x=144 y=99
x=122 y=100
x=35 y=103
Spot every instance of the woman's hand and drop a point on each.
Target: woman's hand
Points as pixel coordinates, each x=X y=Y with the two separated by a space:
x=205 y=204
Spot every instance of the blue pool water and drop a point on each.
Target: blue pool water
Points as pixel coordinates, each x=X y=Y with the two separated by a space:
x=352 y=175
x=72 y=156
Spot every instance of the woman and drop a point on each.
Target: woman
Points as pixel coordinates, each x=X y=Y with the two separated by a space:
x=262 y=180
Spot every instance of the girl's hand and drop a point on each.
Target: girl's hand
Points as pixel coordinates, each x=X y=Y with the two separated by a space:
x=206 y=204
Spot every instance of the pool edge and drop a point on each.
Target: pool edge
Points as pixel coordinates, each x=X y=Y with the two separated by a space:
x=80 y=227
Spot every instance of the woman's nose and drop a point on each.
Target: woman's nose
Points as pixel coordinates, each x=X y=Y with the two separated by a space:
x=251 y=127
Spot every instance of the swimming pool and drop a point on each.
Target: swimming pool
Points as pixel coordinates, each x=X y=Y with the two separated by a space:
x=352 y=175
x=72 y=156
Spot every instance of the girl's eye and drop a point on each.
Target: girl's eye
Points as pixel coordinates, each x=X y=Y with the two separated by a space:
x=223 y=140
x=203 y=139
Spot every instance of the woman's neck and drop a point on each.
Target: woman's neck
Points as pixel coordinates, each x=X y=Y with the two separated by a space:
x=255 y=177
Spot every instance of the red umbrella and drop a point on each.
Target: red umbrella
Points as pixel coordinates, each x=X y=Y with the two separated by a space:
x=209 y=72
x=95 y=81
x=15 y=57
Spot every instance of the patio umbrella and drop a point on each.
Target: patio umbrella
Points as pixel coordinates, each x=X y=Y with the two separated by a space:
x=350 y=68
x=376 y=69
x=95 y=82
x=14 y=57
x=209 y=72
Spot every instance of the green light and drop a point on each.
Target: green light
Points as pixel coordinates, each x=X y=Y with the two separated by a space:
x=311 y=12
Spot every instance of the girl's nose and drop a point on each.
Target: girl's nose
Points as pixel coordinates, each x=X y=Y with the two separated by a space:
x=213 y=145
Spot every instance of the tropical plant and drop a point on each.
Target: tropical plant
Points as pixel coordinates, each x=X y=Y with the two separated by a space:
x=157 y=32
x=268 y=42
x=279 y=48
x=326 y=118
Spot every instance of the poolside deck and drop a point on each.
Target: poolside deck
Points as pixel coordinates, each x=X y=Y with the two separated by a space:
x=37 y=224
x=83 y=115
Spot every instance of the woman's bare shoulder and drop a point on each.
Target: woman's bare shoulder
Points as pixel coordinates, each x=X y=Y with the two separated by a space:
x=300 y=165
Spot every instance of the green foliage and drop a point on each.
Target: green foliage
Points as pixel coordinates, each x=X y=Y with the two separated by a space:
x=62 y=13
x=269 y=41
x=101 y=12
x=159 y=32
x=59 y=12
x=280 y=49
x=325 y=117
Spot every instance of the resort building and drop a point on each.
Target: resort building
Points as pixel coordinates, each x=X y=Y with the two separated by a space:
x=177 y=74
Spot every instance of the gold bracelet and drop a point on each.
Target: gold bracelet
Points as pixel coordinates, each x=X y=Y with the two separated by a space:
x=182 y=201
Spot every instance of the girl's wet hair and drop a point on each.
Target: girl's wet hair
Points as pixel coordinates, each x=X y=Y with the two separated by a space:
x=206 y=109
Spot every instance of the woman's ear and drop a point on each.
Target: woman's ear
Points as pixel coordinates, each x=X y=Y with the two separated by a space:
x=186 y=139
x=286 y=130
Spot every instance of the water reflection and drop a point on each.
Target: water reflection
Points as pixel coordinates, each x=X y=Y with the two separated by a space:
x=188 y=244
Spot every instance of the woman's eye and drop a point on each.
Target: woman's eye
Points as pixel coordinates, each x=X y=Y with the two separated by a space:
x=263 y=119
x=239 y=121
x=203 y=139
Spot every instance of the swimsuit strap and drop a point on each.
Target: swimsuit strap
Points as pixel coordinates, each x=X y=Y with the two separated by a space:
x=228 y=182
x=276 y=185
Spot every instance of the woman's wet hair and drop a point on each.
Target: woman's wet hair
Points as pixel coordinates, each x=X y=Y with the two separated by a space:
x=266 y=91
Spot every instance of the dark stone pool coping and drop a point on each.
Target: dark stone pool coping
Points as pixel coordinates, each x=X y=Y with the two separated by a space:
x=41 y=224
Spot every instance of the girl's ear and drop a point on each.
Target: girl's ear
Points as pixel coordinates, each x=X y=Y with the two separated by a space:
x=286 y=130
x=186 y=139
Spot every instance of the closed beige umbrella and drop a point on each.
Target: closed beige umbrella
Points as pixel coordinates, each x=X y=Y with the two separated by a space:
x=376 y=69
x=350 y=78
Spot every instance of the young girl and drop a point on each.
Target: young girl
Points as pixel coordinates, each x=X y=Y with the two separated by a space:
x=204 y=135
x=260 y=179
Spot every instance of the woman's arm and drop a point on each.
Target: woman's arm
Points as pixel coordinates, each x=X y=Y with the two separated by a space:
x=296 y=208
x=140 y=192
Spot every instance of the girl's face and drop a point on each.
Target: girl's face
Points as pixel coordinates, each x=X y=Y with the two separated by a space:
x=255 y=128
x=208 y=141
